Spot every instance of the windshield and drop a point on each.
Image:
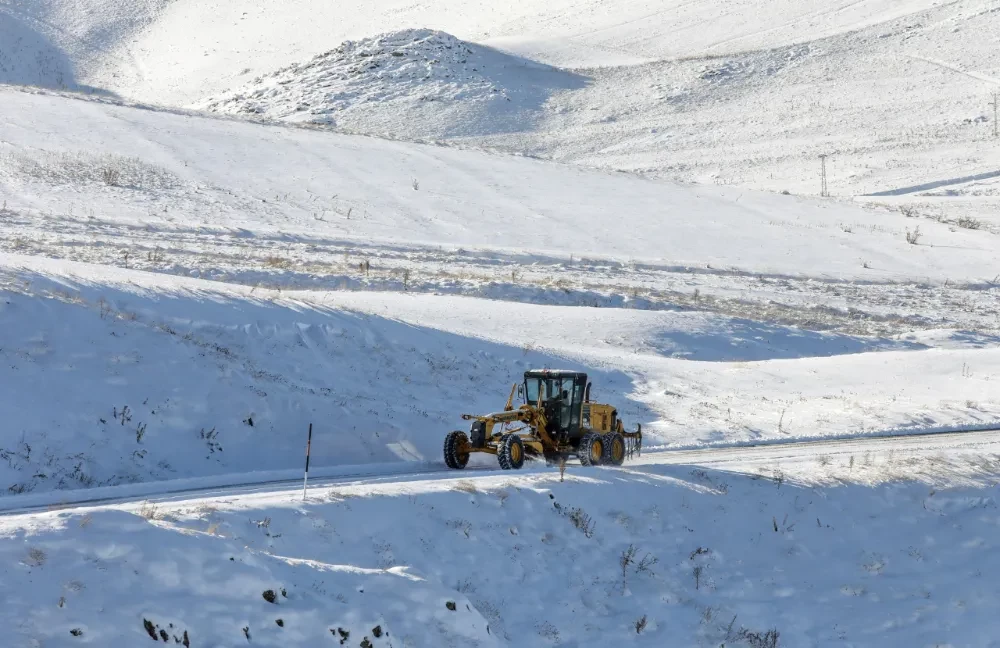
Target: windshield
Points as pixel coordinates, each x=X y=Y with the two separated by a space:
x=555 y=389
x=531 y=389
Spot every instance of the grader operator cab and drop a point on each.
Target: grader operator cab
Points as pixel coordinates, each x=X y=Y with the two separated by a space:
x=556 y=421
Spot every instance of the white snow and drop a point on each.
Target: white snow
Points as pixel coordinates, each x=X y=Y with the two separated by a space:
x=527 y=561
x=183 y=294
x=442 y=85
x=285 y=209
x=746 y=94
x=224 y=380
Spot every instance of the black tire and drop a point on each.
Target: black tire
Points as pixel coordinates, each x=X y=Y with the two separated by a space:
x=614 y=449
x=591 y=449
x=456 y=450
x=510 y=453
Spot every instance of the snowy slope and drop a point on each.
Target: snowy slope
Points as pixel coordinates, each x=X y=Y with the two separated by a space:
x=720 y=557
x=427 y=79
x=222 y=380
x=173 y=171
x=898 y=106
x=182 y=63
x=737 y=94
x=261 y=211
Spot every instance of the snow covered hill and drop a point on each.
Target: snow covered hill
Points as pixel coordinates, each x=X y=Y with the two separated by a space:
x=432 y=82
x=897 y=93
x=182 y=295
x=96 y=166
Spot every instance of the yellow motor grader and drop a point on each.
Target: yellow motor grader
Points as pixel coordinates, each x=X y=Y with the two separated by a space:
x=556 y=421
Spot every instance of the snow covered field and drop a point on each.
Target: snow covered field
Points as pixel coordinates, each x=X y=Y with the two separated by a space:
x=628 y=189
x=224 y=380
x=711 y=557
x=288 y=277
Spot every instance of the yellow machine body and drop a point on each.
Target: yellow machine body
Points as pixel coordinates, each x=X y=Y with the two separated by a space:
x=556 y=421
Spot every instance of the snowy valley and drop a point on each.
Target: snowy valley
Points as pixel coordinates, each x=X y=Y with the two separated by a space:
x=222 y=223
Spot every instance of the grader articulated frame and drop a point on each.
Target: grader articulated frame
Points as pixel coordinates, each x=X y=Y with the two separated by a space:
x=556 y=421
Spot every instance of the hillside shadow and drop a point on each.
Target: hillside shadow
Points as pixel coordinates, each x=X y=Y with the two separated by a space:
x=522 y=88
x=723 y=339
x=29 y=58
x=377 y=389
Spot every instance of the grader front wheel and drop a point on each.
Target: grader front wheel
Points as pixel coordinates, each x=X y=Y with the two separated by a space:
x=591 y=450
x=456 y=450
x=510 y=454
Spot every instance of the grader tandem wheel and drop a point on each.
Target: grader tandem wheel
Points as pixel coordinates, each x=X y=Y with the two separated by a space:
x=556 y=421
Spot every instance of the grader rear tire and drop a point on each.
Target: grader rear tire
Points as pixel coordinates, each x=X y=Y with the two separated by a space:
x=591 y=449
x=456 y=450
x=614 y=449
x=510 y=454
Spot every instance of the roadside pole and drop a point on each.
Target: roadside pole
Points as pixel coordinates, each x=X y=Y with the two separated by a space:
x=305 y=480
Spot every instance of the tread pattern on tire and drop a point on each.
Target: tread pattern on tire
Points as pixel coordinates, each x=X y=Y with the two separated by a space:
x=584 y=450
x=609 y=441
x=452 y=457
x=504 y=452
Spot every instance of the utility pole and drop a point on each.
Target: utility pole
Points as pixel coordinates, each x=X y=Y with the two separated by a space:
x=996 y=102
x=824 y=190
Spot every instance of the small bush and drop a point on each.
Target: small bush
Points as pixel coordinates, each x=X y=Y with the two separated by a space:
x=149 y=511
x=111 y=176
x=270 y=596
x=277 y=262
x=913 y=237
x=75 y=168
x=36 y=557
x=640 y=624
x=969 y=223
x=583 y=522
x=753 y=639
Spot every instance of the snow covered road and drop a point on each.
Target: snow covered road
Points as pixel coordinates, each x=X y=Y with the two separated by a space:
x=944 y=459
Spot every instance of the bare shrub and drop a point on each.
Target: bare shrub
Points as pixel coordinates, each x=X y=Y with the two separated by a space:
x=63 y=168
x=583 y=522
x=913 y=236
x=149 y=511
x=36 y=557
x=626 y=559
x=969 y=223
x=466 y=486
x=754 y=639
x=111 y=176
x=277 y=262
x=640 y=624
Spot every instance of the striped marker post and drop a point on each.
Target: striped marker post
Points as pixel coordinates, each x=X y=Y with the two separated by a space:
x=305 y=480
